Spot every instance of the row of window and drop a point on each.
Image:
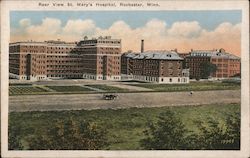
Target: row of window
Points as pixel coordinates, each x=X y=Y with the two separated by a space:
x=109 y=48
x=63 y=61
x=196 y=59
x=40 y=78
x=33 y=51
x=155 y=79
x=221 y=70
x=99 y=41
x=170 y=74
x=60 y=48
x=224 y=65
x=234 y=72
x=64 y=71
x=58 y=52
x=75 y=51
x=151 y=62
x=170 y=80
x=233 y=65
x=225 y=60
x=64 y=66
x=30 y=46
x=37 y=73
x=67 y=76
x=222 y=75
x=67 y=56
x=36 y=66
x=108 y=52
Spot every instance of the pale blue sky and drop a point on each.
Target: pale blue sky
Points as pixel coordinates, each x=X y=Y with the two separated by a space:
x=103 y=19
x=184 y=30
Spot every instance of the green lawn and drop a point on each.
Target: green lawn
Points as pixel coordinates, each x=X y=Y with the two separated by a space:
x=69 y=88
x=32 y=89
x=125 y=126
x=20 y=84
x=16 y=90
x=192 y=86
x=108 y=88
x=25 y=89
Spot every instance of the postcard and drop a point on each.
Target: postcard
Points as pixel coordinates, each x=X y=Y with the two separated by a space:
x=111 y=79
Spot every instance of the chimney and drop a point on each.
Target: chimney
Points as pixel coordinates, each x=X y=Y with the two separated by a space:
x=222 y=50
x=142 y=46
x=85 y=37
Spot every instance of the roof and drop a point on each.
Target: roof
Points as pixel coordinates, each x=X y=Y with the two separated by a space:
x=26 y=42
x=45 y=43
x=131 y=55
x=155 y=54
x=213 y=53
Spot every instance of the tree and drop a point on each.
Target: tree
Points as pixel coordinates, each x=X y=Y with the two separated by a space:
x=168 y=133
x=207 y=69
x=211 y=136
x=233 y=131
x=71 y=135
x=217 y=136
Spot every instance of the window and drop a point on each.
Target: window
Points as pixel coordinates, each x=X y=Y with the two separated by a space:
x=170 y=80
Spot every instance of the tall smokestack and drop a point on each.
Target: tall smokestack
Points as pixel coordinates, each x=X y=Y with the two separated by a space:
x=142 y=46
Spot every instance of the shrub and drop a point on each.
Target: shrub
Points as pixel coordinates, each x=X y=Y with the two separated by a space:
x=216 y=136
x=71 y=135
x=167 y=133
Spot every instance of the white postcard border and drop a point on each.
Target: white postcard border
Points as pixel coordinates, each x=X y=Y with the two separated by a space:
x=7 y=6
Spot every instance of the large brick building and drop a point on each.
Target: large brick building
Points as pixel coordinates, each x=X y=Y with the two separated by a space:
x=101 y=58
x=94 y=59
x=227 y=65
x=154 y=66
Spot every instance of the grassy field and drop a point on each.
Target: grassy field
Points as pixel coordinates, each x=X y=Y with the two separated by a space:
x=192 y=86
x=69 y=88
x=107 y=88
x=125 y=126
x=34 y=89
x=24 y=89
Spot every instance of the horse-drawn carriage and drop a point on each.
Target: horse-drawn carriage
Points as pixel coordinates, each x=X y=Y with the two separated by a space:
x=109 y=96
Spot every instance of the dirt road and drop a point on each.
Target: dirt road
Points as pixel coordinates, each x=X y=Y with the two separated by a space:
x=124 y=100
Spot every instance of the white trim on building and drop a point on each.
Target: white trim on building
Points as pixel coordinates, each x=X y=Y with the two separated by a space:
x=166 y=80
x=101 y=77
x=31 y=78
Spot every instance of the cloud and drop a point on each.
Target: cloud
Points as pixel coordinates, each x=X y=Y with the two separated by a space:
x=76 y=27
x=226 y=36
x=24 y=22
x=185 y=29
x=158 y=27
x=49 y=26
x=118 y=29
x=156 y=33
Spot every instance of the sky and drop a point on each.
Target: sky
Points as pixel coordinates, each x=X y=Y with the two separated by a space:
x=161 y=30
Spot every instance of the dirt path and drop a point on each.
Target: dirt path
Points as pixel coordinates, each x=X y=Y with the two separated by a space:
x=125 y=100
